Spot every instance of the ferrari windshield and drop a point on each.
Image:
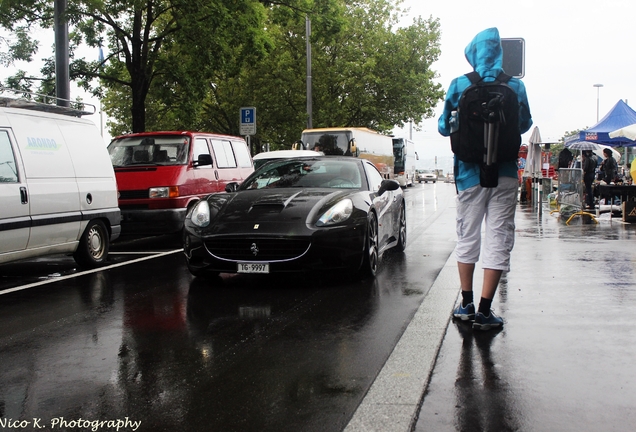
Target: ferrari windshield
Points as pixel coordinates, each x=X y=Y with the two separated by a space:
x=306 y=173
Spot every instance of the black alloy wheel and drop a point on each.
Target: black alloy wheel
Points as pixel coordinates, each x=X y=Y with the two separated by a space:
x=370 y=262
x=401 y=244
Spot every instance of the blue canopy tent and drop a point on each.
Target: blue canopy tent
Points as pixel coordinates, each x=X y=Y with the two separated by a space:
x=619 y=116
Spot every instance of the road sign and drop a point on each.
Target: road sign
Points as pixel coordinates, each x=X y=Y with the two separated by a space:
x=248 y=121
x=514 y=56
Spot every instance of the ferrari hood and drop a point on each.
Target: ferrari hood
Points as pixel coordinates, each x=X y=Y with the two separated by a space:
x=271 y=209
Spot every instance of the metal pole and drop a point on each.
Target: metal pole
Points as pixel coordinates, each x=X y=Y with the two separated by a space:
x=309 y=97
x=598 y=87
x=62 y=79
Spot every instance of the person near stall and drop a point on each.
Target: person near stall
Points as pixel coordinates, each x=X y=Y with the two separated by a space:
x=589 y=169
x=609 y=167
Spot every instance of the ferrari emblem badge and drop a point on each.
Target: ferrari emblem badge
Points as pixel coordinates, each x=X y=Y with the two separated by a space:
x=256 y=226
x=254 y=249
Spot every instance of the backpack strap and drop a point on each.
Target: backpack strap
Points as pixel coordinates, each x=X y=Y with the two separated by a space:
x=474 y=77
x=503 y=77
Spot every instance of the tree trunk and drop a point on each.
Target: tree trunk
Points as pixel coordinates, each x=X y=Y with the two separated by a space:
x=140 y=85
x=138 y=111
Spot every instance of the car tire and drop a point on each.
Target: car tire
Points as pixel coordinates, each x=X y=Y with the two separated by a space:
x=401 y=244
x=369 y=266
x=92 y=250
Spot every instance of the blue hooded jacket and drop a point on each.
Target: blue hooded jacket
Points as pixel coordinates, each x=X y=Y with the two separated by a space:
x=485 y=55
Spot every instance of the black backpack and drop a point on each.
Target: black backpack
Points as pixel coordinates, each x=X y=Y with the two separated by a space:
x=483 y=107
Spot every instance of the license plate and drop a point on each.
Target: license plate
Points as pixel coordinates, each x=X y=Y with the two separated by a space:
x=253 y=267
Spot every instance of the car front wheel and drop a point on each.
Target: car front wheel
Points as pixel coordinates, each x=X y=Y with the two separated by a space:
x=370 y=261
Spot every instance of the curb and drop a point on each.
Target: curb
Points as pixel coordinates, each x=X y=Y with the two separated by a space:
x=393 y=401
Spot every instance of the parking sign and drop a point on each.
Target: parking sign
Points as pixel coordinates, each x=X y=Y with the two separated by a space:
x=248 y=121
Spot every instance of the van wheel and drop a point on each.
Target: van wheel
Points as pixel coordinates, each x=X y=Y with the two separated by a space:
x=92 y=250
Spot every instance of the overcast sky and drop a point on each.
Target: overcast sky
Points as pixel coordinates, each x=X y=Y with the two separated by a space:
x=570 y=46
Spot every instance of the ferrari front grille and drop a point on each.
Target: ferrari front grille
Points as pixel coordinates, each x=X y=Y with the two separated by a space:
x=257 y=249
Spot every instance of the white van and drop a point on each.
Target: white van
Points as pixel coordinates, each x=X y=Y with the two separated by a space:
x=58 y=192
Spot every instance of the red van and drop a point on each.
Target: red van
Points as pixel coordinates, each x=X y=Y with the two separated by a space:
x=161 y=174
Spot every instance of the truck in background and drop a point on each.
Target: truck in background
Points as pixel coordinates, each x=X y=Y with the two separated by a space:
x=405 y=157
x=353 y=141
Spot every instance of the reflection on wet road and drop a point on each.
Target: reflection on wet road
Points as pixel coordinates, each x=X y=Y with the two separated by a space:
x=150 y=343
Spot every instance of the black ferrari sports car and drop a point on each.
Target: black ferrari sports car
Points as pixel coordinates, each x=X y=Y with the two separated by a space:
x=322 y=213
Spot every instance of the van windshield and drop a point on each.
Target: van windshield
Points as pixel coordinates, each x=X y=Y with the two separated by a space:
x=156 y=150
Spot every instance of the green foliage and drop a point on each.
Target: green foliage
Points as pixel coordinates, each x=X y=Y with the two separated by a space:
x=151 y=44
x=191 y=64
x=365 y=72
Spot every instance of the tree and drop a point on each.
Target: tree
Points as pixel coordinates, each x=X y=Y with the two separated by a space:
x=365 y=70
x=181 y=64
x=146 y=40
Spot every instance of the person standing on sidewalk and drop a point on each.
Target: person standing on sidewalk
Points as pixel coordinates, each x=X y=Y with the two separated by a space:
x=495 y=205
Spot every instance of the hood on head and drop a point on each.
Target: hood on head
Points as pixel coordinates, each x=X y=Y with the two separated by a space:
x=484 y=53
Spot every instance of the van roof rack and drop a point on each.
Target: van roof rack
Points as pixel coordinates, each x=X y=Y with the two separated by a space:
x=39 y=102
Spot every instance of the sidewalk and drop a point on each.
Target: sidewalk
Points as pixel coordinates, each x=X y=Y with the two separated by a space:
x=562 y=362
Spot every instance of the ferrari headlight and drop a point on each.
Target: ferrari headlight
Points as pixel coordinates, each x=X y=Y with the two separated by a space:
x=201 y=214
x=336 y=214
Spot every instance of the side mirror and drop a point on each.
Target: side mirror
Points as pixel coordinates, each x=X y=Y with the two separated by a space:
x=231 y=187
x=388 y=185
x=204 y=159
x=352 y=147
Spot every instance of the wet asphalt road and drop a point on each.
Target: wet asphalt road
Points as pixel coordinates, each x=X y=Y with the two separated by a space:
x=146 y=342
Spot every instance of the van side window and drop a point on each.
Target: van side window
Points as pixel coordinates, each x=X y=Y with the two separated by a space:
x=201 y=147
x=8 y=166
x=224 y=154
x=241 y=153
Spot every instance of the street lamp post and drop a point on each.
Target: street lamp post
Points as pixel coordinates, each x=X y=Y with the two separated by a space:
x=598 y=87
x=309 y=95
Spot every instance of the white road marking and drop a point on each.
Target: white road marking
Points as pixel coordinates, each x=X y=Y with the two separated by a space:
x=57 y=279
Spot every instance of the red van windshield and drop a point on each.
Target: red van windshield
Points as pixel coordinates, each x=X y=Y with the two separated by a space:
x=156 y=150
